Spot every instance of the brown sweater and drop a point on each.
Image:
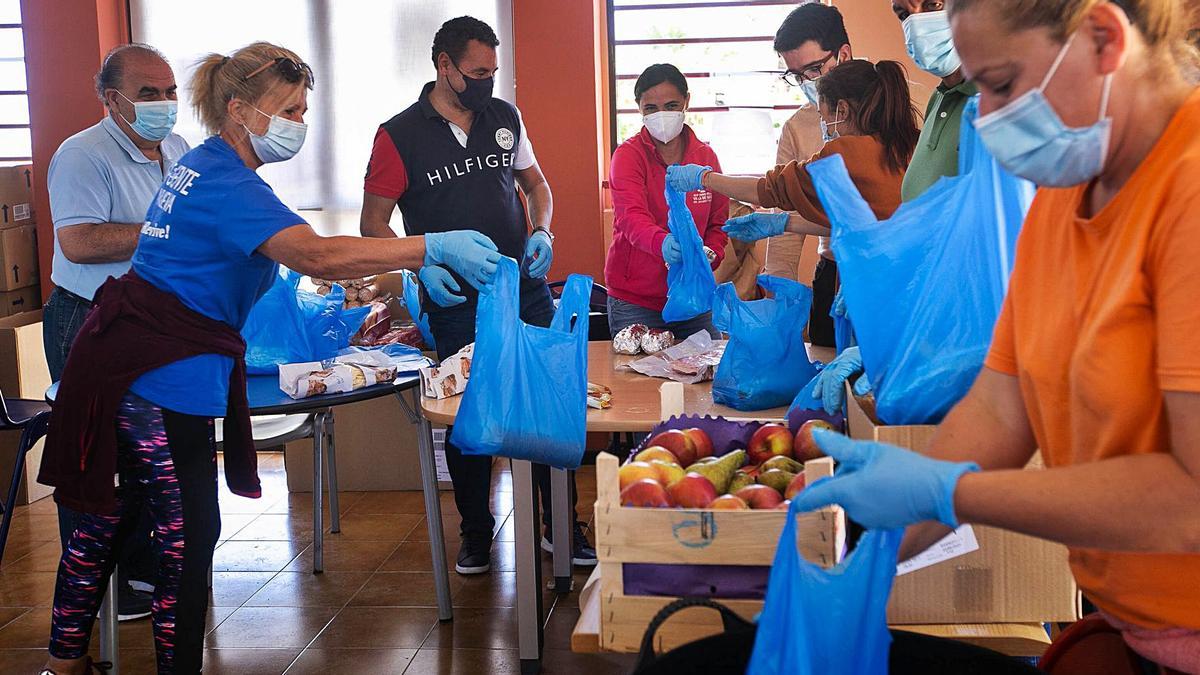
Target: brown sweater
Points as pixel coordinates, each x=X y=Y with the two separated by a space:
x=790 y=187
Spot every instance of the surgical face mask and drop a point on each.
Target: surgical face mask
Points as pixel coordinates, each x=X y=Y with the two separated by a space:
x=478 y=92
x=828 y=133
x=1030 y=140
x=929 y=42
x=664 y=125
x=809 y=88
x=282 y=140
x=153 y=120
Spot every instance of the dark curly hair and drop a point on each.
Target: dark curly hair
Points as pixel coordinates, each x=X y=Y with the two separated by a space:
x=453 y=36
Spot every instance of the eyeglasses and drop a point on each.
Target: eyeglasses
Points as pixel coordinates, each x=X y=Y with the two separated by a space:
x=811 y=72
x=290 y=70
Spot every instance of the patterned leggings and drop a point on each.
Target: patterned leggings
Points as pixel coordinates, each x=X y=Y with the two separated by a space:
x=167 y=466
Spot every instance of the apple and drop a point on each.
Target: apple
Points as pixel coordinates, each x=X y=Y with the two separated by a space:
x=759 y=496
x=795 y=487
x=668 y=472
x=770 y=440
x=704 y=446
x=679 y=444
x=693 y=491
x=634 y=471
x=645 y=493
x=728 y=502
x=805 y=446
x=653 y=453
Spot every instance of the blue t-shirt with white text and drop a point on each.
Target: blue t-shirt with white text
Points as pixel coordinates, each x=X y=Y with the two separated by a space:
x=208 y=218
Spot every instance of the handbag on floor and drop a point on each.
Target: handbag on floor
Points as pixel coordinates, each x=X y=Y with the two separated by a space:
x=725 y=653
x=690 y=284
x=527 y=393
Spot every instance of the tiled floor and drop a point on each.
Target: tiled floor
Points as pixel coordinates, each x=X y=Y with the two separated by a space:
x=372 y=611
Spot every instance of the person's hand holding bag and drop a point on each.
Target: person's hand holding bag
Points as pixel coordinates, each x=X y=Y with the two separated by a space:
x=686 y=177
x=829 y=387
x=756 y=226
x=539 y=252
x=672 y=254
x=884 y=487
x=440 y=286
x=469 y=253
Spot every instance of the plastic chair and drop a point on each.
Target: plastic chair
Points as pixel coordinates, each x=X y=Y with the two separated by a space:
x=32 y=419
x=598 y=304
x=1091 y=646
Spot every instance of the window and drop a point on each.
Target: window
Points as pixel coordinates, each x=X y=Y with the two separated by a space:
x=15 y=144
x=724 y=47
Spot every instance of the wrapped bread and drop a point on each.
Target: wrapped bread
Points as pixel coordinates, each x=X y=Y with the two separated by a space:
x=628 y=340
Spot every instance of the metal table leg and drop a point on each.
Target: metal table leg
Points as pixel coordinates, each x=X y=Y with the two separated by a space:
x=562 y=522
x=433 y=505
x=319 y=420
x=335 y=513
x=529 y=569
x=109 y=645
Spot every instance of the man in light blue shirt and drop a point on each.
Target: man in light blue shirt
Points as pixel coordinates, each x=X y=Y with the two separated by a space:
x=101 y=183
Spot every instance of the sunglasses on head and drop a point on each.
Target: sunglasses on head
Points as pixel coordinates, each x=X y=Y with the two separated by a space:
x=290 y=70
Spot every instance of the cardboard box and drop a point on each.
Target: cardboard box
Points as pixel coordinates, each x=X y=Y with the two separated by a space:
x=16 y=196
x=18 y=258
x=1011 y=578
x=23 y=374
x=27 y=299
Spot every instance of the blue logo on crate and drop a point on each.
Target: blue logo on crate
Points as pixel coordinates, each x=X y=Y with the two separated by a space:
x=695 y=530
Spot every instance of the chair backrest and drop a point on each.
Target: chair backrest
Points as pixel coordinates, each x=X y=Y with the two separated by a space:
x=1092 y=647
x=5 y=419
x=598 y=302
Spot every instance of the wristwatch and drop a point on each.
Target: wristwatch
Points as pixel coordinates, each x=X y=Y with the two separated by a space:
x=547 y=231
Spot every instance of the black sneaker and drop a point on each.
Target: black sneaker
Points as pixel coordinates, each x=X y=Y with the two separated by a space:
x=583 y=554
x=132 y=604
x=474 y=556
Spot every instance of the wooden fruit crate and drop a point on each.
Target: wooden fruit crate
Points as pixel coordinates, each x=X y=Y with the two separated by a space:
x=692 y=537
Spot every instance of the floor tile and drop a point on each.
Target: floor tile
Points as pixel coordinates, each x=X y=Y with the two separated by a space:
x=23 y=660
x=216 y=615
x=31 y=629
x=476 y=628
x=377 y=628
x=390 y=503
x=37 y=527
x=232 y=523
x=565 y=662
x=416 y=556
x=27 y=589
x=346 y=556
x=305 y=589
x=243 y=661
x=140 y=660
x=323 y=661
x=377 y=526
x=494 y=589
x=255 y=556
x=301 y=502
x=559 y=626
x=8 y=614
x=42 y=507
x=16 y=550
x=233 y=589
x=400 y=589
x=465 y=662
x=277 y=527
x=450 y=529
x=270 y=627
x=44 y=557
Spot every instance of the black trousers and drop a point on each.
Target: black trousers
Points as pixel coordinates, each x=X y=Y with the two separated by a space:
x=820 y=324
x=453 y=329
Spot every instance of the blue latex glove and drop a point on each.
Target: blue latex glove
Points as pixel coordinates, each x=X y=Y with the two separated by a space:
x=882 y=486
x=686 y=177
x=839 y=304
x=755 y=226
x=539 y=252
x=469 y=253
x=441 y=288
x=829 y=387
x=671 y=251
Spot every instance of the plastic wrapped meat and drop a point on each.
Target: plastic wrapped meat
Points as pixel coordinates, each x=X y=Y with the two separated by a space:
x=629 y=339
x=657 y=339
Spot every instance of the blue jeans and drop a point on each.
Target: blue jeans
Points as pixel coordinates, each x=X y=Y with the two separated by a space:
x=623 y=314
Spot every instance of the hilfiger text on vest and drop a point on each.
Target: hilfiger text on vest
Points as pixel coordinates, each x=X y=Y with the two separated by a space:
x=448 y=173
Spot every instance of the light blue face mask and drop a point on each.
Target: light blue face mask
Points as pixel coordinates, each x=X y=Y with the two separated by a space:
x=828 y=133
x=1030 y=140
x=153 y=120
x=928 y=41
x=809 y=88
x=281 y=142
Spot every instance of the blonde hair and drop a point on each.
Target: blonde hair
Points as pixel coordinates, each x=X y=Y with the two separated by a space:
x=219 y=79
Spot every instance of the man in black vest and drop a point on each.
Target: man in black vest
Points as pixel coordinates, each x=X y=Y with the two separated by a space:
x=454 y=161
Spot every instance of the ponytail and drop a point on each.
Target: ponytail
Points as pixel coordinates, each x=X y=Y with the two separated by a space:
x=880 y=104
x=219 y=79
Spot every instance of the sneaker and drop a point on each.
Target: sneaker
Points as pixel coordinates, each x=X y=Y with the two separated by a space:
x=583 y=554
x=132 y=605
x=475 y=556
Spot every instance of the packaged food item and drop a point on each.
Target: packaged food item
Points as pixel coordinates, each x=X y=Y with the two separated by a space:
x=377 y=324
x=628 y=340
x=337 y=376
x=599 y=396
x=691 y=361
x=657 y=339
x=359 y=292
x=449 y=378
x=406 y=334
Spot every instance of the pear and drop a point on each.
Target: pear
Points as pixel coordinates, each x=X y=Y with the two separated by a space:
x=776 y=478
x=783 y=464
x=740 y=480
x=720 y=472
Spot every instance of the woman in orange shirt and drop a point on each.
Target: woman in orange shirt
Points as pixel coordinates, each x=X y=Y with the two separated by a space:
x=1094 y=358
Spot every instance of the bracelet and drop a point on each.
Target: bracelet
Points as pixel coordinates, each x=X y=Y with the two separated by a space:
x=547 y=231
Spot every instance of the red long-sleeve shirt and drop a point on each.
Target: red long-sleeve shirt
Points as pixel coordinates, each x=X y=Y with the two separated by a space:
x=635 y=271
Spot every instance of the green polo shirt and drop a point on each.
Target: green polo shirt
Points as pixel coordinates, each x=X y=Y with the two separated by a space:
x=937 y=149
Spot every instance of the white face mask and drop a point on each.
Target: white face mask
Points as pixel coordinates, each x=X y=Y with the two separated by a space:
x=282 y=140
x=664 y=125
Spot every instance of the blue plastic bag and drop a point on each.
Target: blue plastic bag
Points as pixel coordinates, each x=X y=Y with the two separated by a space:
x=925 y=286
x=765 y=362
x=816 y=621
x=412 y=302
x=527 y=394
x=288 y=325
x=690 y=284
